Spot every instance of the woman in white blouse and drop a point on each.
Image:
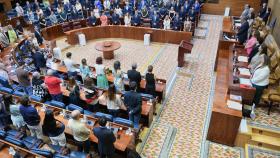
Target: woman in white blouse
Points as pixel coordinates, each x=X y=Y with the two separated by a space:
x=119 y=11
x=96 y=12
x=127 y=20
x=260 y=78
x=166 y=23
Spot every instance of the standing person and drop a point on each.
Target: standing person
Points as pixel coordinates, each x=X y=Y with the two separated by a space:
x=31 y=117
x=80 y=131
x=102 y=81
x=23 y=79
x=134 y=75
x=53 y=85
x=16 y=117
x=104 y=19
x=74 y=96
x=38 y=35
x=84 y=69
x=187 y=25
x=5 y=116
x=4 y=40
x=19 y=10
x=54 y=129
x=243 y=31
x=38 y=86
x=150 y=81
x=12 y=34
x=133 y=102
x=166 y=23
x=19 y=28
x=127 y=20
x=113 y=100
x=252 y=42
x=118 y=76
x=260 y=78
x=70 y=65
x=40 y=61
x=105 y=138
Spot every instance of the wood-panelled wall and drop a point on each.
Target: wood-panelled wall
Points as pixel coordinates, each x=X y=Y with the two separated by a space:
x=275 y=5
x=236 y=6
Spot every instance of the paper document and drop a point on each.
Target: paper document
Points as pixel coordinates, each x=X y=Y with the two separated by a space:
x=245 y=81
x=238 y=24
x=234 y=105
x=243 y=126
x=235 y=97
x=243 y=59
x=244 y=71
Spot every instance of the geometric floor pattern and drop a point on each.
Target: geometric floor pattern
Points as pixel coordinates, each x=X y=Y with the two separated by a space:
x=222 y=151
x=188 y=101
x=258 y=152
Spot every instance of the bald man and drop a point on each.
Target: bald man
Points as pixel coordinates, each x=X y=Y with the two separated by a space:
x=80 y=131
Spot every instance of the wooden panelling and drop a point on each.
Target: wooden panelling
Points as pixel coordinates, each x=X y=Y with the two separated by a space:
x=236 y=7
x=275 y=5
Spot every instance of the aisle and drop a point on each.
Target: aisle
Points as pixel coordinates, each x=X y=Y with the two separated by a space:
x=187 y=105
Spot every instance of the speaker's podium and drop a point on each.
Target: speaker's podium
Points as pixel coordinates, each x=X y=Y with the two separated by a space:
x=184 y=47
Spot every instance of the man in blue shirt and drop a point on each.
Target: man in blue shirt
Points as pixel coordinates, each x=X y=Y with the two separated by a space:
x=133 y=102
x=30 y=117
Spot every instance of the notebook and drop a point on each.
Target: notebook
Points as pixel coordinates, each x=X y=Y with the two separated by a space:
x=235 y=97
x=243 y=59
x=244 y=71
x=234 y=105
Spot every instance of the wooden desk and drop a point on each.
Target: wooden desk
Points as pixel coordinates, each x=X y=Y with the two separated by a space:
x=224 y=123
x=228 y=25
x=121 y=144
x=108 y=48
x=131 y=32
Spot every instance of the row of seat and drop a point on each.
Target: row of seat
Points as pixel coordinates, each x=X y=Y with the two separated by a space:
x=70 y=107
x=34 y=145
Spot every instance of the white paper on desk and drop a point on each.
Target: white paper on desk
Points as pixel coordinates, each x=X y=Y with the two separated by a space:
x=235 y=97
x=245 y=81
x=237 y=24
x=243 y=59
x=234 y=105
x=244 y=71
x=243 y=126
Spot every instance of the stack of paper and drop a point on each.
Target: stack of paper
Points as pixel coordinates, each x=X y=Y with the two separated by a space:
x=235 y=97
x=244 y=71
x=245 y=81
x=238 y=24
x=243 y=59
x=234 y=105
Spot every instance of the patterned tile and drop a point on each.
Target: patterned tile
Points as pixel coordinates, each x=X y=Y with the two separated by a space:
x=257 y=152
x=222 y=151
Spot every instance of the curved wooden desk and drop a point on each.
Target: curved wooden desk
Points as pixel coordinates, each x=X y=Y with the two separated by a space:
x=129 y=32
x=108 y=48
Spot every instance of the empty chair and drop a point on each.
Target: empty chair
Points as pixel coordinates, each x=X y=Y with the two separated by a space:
x=43 y=152
x=6 y=90
x=124 y=122
x=73 y=107
x=19 y=94
x=32 y=142
x=108 y=117
x=57 y=104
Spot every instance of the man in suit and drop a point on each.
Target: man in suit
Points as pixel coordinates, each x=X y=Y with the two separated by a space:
x=38 y=35
x=115 y=18
x=263 y=10
x=243 y=31
x=136 y=19
x=106 y=139
x=134 y=75
x=91 y=19
x=39 y=61
x=177 y=23
x=155 y=20
x=133 y=102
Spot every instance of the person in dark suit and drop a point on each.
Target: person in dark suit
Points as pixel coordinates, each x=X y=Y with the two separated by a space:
x=38 y=35
x=127 y=9
x=266 y=15
x=134 y=75
x=155 y=20
x=115 y=18
x=136 y=19
x=133 y=102
x=243 y=31
x=106 y=139
x=91 y=19
x=177 y=23
x=263 y=10
x=39 y=61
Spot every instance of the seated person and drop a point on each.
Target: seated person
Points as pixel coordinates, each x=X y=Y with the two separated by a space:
x=104 y=20
x=127 y=20
x=42 y=21
x=127 y=9
x=78 y=6
x=243 y=31
x=92 y=19
x=155 y=20
x=119 y=11
x=182 y=14
x=96 y=12
x=107 y=5
x=197 y=7
x=177 y=23
x=192 y=14
x=136 y=19
x=19 y=28
x=19 y=10
x=62 y=15
x=12 y=34
x=172 y=13
x=162 y=12
x=53 y=18
x=30 y=16
x=187 y=25
x=166 y=23
x=115 y=18
x=144 y=12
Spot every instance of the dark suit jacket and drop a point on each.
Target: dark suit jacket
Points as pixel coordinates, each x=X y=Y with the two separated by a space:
x=133 y=101
x=38 y=36
x=39 y=60
x=106 y=140
x=134 y=75
x=243 y=32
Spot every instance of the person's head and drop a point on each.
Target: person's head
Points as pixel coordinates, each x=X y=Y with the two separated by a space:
x=49 y=117
x=265 y=60
x=72 y=82
x=50 y=72
x=88 y=82
x=36 y=75
x=132 y=85
x=99 y=60
x=84 y=62
x=102 y=122
x=246 y=6
x=68 y=54
x=252 y=15
x=134 y=66
x=117 y=65
x=263 y=49
x=256 y=34
x=75 y=115
x=10 y=27
x=24 y=101
x=264 y=5
x=150 y=68
x=17 y=4
x=112 y=92
x=18 y=22
x=8 y=100
x=268 y=10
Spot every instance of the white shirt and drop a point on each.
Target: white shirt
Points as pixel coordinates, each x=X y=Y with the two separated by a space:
x=69 y=65
x=78 y=6
x=99 y=69
x=261 y=76
x=106 y=4
x=96 y=13
x=35 y=42
x=119 y=11
x=166 y=24
x=114 y=104
x=19 y=10
x=127 y=20
x=79 y=130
